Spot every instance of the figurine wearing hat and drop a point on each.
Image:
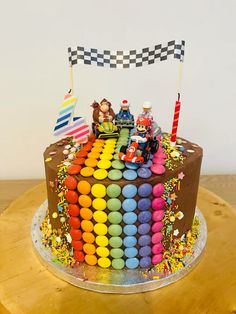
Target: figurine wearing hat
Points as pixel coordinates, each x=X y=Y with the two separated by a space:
x=147 y=110
x=124 y=112
x=143 y=125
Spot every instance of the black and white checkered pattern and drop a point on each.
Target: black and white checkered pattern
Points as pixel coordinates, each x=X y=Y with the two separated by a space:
x=127 y=59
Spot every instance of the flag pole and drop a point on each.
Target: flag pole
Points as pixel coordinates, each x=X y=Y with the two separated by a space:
x=71 y=79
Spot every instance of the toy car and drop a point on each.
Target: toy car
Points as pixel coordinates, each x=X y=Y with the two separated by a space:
x=132 y=153
x=105 y=130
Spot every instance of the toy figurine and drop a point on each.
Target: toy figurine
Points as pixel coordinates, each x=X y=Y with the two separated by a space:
x=147 y=110
x=124 y=118
x=103 y=116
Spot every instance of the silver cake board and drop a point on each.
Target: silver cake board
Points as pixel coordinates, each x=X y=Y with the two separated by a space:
x=123 y=281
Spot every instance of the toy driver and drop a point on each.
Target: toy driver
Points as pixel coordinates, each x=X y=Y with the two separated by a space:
x=142 y=135
x=147 y=110
x=124 y=112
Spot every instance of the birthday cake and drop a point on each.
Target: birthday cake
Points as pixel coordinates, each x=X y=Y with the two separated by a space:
x=125 y=198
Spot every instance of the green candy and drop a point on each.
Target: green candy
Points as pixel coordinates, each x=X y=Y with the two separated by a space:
x=115 y=242
x=114 y=230
x=116 y=253
x=115 y=174
x=113 y=190
x=116 y=156
x=118 y=263
x=118 y=164
x=113 y=204
x=115 y=217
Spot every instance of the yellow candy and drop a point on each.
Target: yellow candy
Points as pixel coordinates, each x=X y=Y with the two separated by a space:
x=100 y=216
x=111 y=140
x=102 y=251
x=98 y=190
x=106 y=156
x=104 y=262
x=101 y=241
x=98 y=149
x=99 y=204
x=104 y=164
x=100 y=229
x=100 y=174
x=93 y=155
x=86 y=171
x=108 y=150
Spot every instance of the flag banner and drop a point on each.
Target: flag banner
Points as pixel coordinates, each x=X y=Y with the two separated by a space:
x=127 y=59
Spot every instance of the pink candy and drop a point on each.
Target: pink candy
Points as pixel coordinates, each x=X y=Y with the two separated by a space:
x=159 y=161
x=160 y=154
x=158 y=215
x=158 y=203
x=157 y=248
x=158 y=190
x=157 y=226
x=157 y=237
x=158 y=169
x=156 y=259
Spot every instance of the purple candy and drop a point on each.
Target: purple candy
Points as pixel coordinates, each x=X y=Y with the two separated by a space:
x=158 y=215
x=144 y=240
x=157 y=226
x=157 y=237
x=158 y=203
x=145 y=190
x=144 y=173
x=145 y=251
x=144 y=216
x=158 y=190
x=148 y=164
x=144 y=228
x=144 y=204
x=145 y=262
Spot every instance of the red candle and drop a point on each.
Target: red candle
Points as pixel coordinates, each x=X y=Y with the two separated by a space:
x=175 y=121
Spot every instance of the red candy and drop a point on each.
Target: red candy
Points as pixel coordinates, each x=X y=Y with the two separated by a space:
x=76 y=234
x=71 y=197
x=79 y=256
x=81 y=154
x=74 y=222
x=73 y=210
x=77 y=245
x=79 y=161
x=74 y=169
x=71 y=183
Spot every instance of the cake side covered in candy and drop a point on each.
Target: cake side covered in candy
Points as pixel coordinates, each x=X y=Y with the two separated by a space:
x=123 y=198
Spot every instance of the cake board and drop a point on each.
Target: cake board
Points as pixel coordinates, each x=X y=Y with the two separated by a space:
x=27 y=287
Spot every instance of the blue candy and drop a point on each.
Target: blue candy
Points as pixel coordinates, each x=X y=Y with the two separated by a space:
x=130 y=175
x=145 y=251
x=131 y=165
x=129 y=205
x=129 y=241
x=144 y=216
x=144 y=240
x=131 y=263
x=144 y=204
x=129 y=190
x=131 y=252
x=129 y=218
x=148 y=164
x=130 y=230
x=145 y=190
x=144 y=228
x=144 y=173
x=145 y=262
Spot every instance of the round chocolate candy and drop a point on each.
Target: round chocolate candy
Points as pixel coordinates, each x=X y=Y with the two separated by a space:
x=130 y=175
x=98 y=190
x=130 y=230
x=145 y=190
x=157 y=226
x=145 y=251
x=147 y=164
x=129 y=218
x=116 y=253
x=113 y=204
x=144 y=240
x=158 y=215
x=156 y=259
x=115 y=242
x=118 y=164
x=115 y=230
x=129 y=205
x=131 y=252
x=118 y=263
x=157 y=237
x=132 y=263
x=131 y=165
x=104 y=262
x=158 y=190
x=113 y=190
x=145 y=262
x=144 y=204
x=129 y=191
x=144 y=173
x=115 y=217
x=158 y=203
x=144 y=228
x=115 y=174
x=129 y=241
x=144 y=216
x=157 y=248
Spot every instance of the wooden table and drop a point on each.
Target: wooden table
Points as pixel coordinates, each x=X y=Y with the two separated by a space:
x=27 y=287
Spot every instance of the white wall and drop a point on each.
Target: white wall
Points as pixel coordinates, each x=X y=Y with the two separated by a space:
x=34 y=72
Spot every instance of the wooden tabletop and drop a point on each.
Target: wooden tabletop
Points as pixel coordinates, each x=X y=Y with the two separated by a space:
x=27 y=287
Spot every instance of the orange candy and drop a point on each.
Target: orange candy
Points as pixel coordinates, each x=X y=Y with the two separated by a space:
x=85 y=201
x=91 y=260
x=91 y=162
x=79 y=161
x=86 y=225
x=87 y=171
x=81 y=154
x=74 y=169
x=88 y=237
x=97 y=149
x=89 y=248
x=86 y=213
x=84 y=187
x=93 y=155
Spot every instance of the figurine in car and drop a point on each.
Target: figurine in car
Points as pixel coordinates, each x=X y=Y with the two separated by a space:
x=124 y=118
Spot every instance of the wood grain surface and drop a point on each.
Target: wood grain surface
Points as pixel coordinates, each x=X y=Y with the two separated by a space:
x=27 y=287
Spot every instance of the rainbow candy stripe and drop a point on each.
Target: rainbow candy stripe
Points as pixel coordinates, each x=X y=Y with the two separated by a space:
x=67 y=124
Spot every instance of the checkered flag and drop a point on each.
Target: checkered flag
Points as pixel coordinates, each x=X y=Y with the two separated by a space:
x=127 y=59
